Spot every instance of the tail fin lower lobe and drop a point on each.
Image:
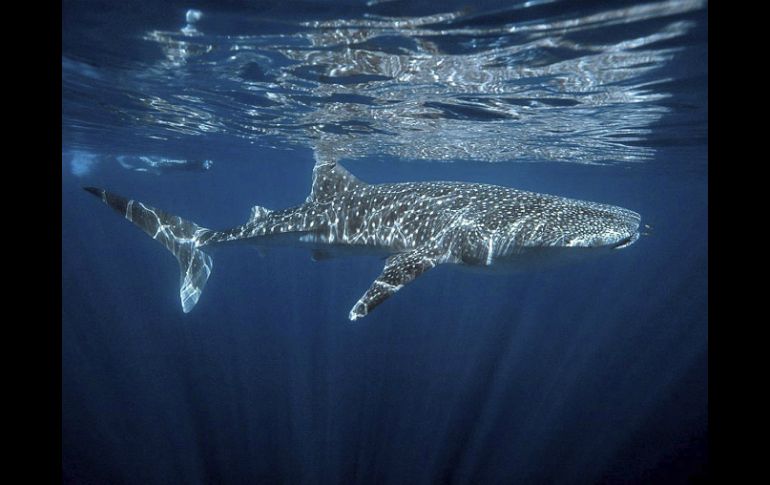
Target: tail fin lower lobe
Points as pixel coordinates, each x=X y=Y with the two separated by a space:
x=178 y=236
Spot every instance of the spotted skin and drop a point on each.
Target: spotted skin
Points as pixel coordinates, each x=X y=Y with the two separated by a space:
x=419 y=225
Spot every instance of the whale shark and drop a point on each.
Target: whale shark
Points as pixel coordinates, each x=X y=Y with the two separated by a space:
x=415 y=225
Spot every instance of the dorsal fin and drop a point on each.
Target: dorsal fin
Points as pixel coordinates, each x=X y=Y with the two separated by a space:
x=330 y=178
x=258 y=212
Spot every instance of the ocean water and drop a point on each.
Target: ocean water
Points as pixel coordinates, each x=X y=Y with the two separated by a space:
x=594 y=372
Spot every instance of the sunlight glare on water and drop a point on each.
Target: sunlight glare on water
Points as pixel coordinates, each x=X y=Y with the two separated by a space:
x=495 y=86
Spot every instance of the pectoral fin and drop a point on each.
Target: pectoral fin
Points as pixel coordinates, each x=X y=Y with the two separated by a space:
x=399 y=270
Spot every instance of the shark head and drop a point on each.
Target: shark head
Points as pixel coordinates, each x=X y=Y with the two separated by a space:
x=566 y=224
x=590 y=225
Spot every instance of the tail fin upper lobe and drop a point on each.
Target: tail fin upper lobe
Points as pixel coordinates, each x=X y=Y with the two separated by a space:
x=176 y=234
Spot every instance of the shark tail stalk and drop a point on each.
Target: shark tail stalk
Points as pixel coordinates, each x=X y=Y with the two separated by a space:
x=179 y=236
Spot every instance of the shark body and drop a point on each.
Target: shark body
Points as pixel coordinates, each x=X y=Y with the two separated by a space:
x=417 y=225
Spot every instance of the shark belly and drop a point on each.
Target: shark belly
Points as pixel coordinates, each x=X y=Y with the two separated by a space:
x=535 y=258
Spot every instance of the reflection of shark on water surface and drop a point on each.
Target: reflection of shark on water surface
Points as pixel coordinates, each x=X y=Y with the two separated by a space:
x=418 y=225
x=83 y=162
x=161 y=165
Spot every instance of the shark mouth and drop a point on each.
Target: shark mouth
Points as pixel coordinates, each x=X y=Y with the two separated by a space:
x=624 y=243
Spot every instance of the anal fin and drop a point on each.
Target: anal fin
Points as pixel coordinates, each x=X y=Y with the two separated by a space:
x=399 y=270
x=260 y=251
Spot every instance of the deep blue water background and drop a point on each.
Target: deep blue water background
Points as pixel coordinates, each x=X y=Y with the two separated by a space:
x=590 y=373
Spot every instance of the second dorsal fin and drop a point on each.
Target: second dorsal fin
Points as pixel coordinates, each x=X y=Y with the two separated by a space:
x=258 y=212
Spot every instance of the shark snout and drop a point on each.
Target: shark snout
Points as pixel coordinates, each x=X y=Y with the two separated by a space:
x=611 y=227
x=630 y=221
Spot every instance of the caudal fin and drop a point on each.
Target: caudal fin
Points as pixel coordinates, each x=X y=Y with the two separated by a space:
x=176 y=234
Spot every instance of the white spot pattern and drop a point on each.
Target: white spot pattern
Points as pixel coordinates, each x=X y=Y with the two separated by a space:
x=420 y=224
